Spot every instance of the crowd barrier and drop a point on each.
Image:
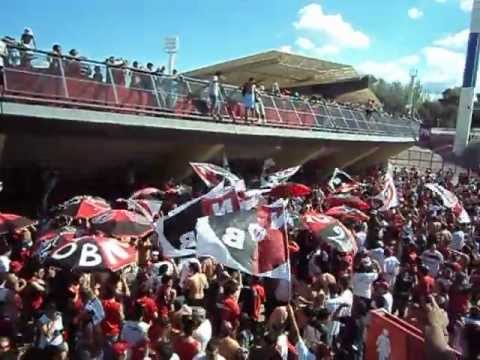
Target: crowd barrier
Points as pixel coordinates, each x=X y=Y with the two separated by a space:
x=73 y=82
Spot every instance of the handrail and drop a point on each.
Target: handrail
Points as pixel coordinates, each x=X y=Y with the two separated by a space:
x=68 y=79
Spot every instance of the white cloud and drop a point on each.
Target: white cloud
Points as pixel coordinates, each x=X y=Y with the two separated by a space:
x=286 y=48
x=415 y=13
x=397 y=70
x=443 y=67
x=466 y=5
x=326 y=50
x=454 y=41
x=332 y=28
x=305 y=43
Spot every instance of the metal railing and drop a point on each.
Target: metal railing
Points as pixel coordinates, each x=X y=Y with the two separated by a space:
x=43 y=77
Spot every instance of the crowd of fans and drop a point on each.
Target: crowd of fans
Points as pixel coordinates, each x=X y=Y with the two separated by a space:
x=136 y=76
x=413 y=260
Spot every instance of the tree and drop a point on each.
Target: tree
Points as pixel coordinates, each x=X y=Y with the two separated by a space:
x=395 y=96
x=442 y=112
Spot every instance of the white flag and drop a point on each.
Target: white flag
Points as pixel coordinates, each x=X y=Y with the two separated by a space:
x=272 y=180
x=212 y=174
x=388 y=195
x=450 y=201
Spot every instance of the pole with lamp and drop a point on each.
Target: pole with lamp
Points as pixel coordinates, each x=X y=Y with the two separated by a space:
x=171 y=48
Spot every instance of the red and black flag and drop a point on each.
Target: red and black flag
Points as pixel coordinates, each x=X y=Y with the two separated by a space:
x=341 y=182
x=329 y=230
x=212 y=175
x=176 y=231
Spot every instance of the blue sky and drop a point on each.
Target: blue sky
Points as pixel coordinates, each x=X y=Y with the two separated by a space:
x=383 y=37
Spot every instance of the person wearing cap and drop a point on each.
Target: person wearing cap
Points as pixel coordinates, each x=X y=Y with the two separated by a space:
x=27 y=41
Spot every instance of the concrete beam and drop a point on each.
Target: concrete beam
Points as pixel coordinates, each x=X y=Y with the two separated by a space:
x=197 y=126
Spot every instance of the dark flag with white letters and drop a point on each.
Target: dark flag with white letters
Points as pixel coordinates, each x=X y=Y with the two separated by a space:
x=252 y=241
x=176 y=232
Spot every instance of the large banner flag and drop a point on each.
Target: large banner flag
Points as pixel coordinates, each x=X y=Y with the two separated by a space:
x=252 y=241
x=450 y=201
x=176 y=232
x=279 y=177
x=212 y=175
x=341 y=182
x=388 y=196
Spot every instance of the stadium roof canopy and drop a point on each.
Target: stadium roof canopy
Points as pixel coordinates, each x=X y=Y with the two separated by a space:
x=289 y=70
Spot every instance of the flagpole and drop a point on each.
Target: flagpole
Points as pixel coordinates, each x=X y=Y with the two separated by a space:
x=287 y=250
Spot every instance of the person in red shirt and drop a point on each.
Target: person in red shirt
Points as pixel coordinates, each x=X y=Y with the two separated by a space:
x=185 y=346
x=259 y=298
x=114 y=315
x=425 y=285
x=230 y=310
x=148 y=304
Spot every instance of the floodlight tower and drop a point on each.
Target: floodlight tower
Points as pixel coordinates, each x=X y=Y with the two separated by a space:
x=171 y=48
x=465 y=107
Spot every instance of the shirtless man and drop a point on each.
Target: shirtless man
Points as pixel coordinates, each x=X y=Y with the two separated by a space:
x=195 y=286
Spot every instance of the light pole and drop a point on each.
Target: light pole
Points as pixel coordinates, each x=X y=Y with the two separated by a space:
x=413 y=76
x=171 y=48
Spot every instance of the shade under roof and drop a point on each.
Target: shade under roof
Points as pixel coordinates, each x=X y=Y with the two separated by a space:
x=285 y=68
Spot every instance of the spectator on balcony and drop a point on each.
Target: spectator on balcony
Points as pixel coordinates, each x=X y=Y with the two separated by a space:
x=171 y=86
x=74 y=68
x=259 y=106
x=146 y=76
x=370 y=108
x=276 y=89
x=55 y=59
x=116 y=70
x=214 y=94
x=3 y=56
x=248 y=93
x=135 y=79
x=97 y=74
x=27 y=41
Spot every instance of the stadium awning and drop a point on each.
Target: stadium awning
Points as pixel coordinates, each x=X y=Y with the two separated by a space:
x=289 y=70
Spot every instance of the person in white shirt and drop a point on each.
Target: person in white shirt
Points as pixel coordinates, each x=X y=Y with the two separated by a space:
x=363 y=279
x=203 y=331
x=383 y=297
x=378 y=253
x=458 y=239
x=360 y=236
x=214 y=93
x=135 y=330
x=433 y=259
x=51 y=330
x=391 y=267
